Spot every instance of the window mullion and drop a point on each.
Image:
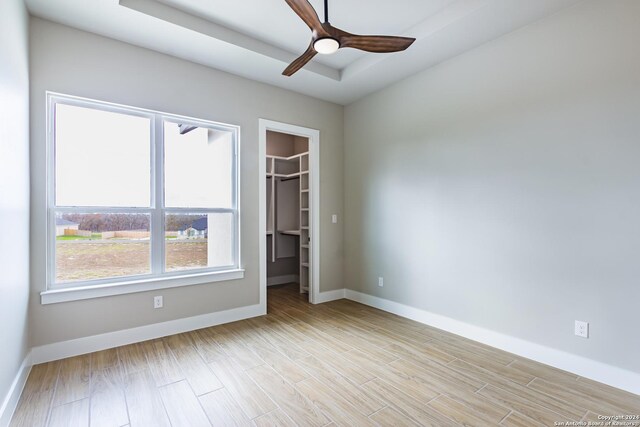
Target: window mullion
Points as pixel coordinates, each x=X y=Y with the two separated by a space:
x=179 y=211
x=100 y=209
x=157 y=185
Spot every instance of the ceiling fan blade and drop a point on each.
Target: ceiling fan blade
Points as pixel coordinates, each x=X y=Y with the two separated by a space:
x=379 y=44
x=308 y=14
x=300 y=61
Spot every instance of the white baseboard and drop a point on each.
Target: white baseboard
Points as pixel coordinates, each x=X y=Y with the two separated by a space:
x=330 y=296
x=75 y=347
x=587 y=368
x=13 y=396
x=281 y=280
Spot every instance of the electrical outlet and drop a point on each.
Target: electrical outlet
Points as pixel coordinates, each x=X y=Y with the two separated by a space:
x=334 y=218
x=582 y=329
x=380 y=281
x=158 y=302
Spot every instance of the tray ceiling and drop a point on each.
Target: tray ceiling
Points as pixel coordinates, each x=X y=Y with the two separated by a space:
x=258 y=38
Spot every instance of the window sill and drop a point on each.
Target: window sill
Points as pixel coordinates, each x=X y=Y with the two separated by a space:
x=54 y=296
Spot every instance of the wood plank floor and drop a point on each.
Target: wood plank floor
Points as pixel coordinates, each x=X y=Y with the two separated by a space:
x=339 y=364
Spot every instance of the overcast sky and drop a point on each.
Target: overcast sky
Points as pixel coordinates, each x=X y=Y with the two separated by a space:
x=104 y=159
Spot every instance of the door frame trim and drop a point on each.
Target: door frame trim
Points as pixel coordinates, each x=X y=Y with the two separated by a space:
x=314 y=202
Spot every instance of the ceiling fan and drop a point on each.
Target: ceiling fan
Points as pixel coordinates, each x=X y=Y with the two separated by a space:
x=326 y=39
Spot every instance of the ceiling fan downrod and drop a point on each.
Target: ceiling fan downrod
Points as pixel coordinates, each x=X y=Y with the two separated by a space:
x=326 y=11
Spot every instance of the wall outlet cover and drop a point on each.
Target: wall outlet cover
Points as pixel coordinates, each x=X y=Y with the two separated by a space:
x=582 y=329
x=158 y=302
x=380 y=281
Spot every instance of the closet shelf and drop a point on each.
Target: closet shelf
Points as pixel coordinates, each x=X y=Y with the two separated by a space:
x=304 y=246
x=291 y=176
x=290 y=232
x=304 y=264
x=286 y=176
x=294 y=157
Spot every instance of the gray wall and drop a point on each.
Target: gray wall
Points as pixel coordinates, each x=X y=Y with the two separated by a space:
x=502 y=188
x=14 y=189
x=74 y=62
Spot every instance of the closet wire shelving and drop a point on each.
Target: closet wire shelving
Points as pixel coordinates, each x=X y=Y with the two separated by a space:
x=284 y=169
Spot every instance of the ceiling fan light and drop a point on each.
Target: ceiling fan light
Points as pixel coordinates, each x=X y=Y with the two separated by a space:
x=326 y=45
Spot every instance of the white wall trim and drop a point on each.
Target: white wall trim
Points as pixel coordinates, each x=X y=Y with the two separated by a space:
x=75 y=347
x=588 y=368
x=330 y=296
x=10 y=401
x=281 y=280
x=54 y=296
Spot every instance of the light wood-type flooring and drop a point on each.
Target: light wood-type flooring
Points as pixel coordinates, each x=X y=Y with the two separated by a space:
x=338 y=364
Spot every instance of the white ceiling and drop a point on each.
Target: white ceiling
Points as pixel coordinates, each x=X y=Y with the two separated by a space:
x=258 y=38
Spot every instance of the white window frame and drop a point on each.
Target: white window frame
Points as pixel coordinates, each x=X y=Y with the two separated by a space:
x=157 y=278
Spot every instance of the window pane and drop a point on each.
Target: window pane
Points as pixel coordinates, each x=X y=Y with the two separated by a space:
x=98 y=246
x=101 y=158
x=198 y=167
x=199 y=241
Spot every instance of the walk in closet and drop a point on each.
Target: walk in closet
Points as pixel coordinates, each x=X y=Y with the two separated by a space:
x=288 y=214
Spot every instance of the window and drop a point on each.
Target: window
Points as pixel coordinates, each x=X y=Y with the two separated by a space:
x=137 y=195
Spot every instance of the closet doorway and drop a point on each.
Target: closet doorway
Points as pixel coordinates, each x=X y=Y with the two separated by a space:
x=289 y=201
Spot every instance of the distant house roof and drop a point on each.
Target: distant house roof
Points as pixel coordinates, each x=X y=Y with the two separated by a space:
x=199 y=224
x=60 y=221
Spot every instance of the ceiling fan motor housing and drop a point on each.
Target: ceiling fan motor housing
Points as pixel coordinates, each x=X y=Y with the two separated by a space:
x=326 y=45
